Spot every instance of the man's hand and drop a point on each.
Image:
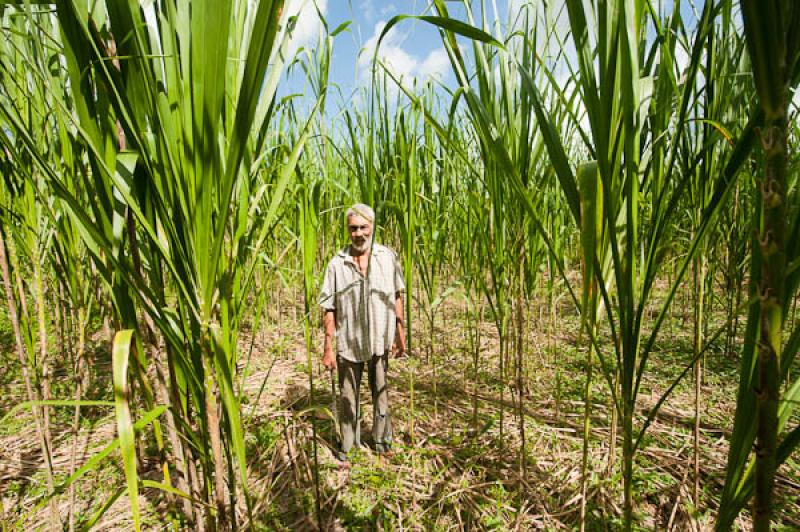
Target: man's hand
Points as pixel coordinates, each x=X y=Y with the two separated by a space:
x=329 y=359
x=398 y=350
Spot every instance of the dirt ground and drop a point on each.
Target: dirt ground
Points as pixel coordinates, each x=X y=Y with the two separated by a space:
x=458 y=462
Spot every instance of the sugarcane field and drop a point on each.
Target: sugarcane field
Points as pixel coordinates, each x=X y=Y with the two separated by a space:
x=383 y=265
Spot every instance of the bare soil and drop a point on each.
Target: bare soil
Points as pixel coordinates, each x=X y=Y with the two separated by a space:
x=457 y=462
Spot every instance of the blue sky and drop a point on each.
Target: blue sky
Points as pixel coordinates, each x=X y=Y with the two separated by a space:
x=413 y=49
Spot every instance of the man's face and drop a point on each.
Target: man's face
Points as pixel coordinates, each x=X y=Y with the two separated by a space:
x=360 y=230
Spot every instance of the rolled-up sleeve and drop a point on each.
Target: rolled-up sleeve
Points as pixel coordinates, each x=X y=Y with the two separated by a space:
x=327 y=296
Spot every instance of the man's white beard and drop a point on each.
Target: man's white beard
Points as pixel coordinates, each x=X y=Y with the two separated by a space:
x=359 y=249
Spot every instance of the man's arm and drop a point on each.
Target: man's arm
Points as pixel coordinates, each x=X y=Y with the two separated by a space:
x=329 y=325
x=400 y=332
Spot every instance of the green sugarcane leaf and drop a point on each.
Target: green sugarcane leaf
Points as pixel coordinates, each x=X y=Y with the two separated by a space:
x=93 y=462
x=175 y=491
x=442 y=297
x=88 y=525
x=555 y=147
x=259 y=53
x=51 y=402
x=459 y=28
x=789 y=401
x=121 y=354
x=788 y=445
x=591 y=193
x=341 y=27
x=211 y=21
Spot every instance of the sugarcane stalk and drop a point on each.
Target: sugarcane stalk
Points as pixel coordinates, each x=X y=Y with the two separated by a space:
x=770 y=295
x=79 y=366
x=334 y=403
x=771 y=32
x=700 y=281
x=215 y=439
x=519 y=345
x=29 y=388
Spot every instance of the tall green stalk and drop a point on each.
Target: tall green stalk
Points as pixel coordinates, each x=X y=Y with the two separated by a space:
x=772 y=31
x=592 y=249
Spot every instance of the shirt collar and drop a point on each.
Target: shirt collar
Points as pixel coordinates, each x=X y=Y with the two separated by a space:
x=345 y=251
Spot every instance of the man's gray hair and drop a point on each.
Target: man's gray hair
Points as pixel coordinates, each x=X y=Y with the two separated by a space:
x=363 y=210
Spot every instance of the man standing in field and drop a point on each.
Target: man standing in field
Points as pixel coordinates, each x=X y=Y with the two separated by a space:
x=362 y=300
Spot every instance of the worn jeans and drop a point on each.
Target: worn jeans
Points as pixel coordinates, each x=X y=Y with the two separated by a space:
x=349 y=407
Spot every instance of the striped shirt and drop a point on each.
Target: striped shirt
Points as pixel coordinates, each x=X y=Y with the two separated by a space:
x=345 y=290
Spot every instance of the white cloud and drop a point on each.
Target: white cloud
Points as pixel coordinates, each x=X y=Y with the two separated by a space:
x=367 y=10
x=436 y=65
x=391 y=52
x=399 y=61
x=389 y=10
x=308 y=23
x=681 y=59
